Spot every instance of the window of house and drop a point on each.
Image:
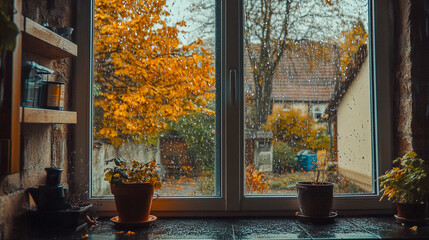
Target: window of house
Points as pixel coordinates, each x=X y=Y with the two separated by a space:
x=317 y=113
x=200 y=86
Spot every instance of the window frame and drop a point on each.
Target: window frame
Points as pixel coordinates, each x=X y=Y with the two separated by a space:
x=232 y=200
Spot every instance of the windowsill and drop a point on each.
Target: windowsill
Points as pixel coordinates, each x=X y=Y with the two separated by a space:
x=367 y=227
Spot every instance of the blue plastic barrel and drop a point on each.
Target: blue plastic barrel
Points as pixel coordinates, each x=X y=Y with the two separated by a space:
x=307 y=162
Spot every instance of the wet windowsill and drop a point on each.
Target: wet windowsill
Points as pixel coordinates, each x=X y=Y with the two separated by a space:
x=370 y=227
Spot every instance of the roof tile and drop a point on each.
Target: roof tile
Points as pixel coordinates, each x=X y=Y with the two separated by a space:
x=296 y=79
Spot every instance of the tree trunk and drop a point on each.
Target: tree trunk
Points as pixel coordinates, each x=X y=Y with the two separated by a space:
x=263 y=90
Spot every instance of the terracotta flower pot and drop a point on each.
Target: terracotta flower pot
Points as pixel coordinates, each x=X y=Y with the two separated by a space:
x=315 y=200
x=411 y=210
x=133 y=201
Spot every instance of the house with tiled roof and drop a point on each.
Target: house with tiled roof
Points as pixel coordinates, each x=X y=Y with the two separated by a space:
x=303 y=80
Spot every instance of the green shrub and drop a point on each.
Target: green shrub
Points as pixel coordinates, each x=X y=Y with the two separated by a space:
x=276 y=185
x=284 y=158
x=198 y=129
x=206 y=184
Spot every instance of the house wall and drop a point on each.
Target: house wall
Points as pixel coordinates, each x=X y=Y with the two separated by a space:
x=302 y=106
x=42 y=145
x=354 y=131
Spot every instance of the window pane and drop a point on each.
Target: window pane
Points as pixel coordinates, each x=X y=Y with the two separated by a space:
x=154 y=92
x=307 y=95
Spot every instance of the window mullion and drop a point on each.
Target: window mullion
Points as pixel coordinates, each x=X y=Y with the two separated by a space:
x=233 y=129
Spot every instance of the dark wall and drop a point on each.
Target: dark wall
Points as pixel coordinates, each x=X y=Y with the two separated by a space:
x=411 y=99
x=42 y=145
x=420 y=76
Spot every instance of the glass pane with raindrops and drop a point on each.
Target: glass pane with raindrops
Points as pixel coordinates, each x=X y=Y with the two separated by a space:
x=154 y=93
x=307 y=95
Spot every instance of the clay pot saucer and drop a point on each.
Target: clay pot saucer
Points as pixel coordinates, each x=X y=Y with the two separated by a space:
x=317 y=220
x=146 y=223
x=407 y=221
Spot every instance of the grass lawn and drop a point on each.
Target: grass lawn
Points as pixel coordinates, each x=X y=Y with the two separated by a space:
x=285 y=183
x=279 y=184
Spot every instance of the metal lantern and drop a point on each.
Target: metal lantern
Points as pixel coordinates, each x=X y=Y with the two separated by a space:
x=34 y=75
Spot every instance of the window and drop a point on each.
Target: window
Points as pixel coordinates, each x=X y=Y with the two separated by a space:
x=316 y=58
x=318 y=112
x=234 y=117
x=154 y=93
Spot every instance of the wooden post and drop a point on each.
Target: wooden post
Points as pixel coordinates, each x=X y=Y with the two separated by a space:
x=16 y=93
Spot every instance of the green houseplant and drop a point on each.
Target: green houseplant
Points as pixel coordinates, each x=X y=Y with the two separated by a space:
x=8 y=33
x=408 y=185
x=133 y=184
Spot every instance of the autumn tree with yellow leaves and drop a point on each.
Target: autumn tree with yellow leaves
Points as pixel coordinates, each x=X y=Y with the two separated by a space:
x=144 y=75
x=271 y=28
x=297 y=129
x=350 y=42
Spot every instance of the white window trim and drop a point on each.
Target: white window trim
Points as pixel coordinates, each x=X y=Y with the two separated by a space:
x=232 y=200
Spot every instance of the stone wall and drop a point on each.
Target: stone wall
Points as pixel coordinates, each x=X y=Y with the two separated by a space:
x=420 y=77
x=102 y=152
x=411 y=113
x=42 y=145
x=403 y=92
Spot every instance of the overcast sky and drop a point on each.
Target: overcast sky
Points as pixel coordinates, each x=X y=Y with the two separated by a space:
x=179 y=10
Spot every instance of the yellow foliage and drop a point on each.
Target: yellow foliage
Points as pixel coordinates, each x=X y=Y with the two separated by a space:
x=132 y=171
x=144 y=74
x=298 y=130
x=188 y=170
x=255 y=180
x=351 y=41
x=131 y=233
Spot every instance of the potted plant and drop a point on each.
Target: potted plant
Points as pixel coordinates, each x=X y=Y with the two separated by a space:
x=408 y=185
x=8 y=33
x=315 y=198
x=9 y=29
x=132 y=183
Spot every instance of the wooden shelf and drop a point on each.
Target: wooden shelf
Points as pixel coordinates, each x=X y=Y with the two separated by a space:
x=44 y=42
x=40 y=115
